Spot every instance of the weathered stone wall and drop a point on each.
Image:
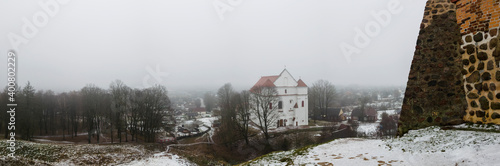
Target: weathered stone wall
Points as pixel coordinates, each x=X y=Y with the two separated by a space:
x=434 y=92
x=455 y=70
x=480 y=49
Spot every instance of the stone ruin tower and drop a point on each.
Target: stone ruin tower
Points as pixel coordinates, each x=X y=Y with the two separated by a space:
x=455 y=69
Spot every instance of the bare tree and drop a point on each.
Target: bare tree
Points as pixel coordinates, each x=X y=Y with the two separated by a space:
x=90 y=102
x=104 y=118
x=209 y=100
x=197 y=102
x=225 y=132
x=41 y=113
x=321 y=96
x=388 y=125
x=156 y=107
x=243 y=108
x=120 y=103
x=133 y=116
x=27 y=111
x=75 y=107
x=362 y=102
x=63 y=107
x=265 y=101
x=48 y=105
x=4 y=119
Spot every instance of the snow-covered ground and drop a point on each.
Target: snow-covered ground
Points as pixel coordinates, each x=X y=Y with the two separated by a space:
x=50 y=141
x=389 y=112
x=169 y=159
x=429 y=146
x=208 y=121
x=162 y=159
x=367 y=129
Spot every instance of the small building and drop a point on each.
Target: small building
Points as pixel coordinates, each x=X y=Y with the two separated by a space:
x=200 y=111
x=292 y=108
x=369 y=114
x=192 y=115
x=331 y=114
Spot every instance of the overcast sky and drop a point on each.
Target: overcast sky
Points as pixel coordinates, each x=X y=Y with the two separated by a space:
x=191 y=44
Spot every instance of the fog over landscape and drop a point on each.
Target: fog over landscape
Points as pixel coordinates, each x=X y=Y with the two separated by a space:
x=194 y=45
x=250 y=82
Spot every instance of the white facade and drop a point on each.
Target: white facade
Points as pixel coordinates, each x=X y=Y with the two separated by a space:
x=293 y=107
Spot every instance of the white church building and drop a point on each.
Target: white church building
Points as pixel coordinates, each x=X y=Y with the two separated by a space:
x=293 y=103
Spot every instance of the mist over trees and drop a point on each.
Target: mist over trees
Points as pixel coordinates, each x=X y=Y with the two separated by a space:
x=117 y=112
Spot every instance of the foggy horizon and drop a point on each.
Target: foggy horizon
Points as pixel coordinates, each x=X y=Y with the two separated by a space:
x=189 y=45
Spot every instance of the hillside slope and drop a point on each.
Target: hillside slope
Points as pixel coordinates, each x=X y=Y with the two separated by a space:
x=429 y=146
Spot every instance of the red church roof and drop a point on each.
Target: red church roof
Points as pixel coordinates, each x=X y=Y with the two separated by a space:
x=266 y=81
x=301 y=83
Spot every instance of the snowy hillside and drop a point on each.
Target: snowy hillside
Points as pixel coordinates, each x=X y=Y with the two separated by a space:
x=429 y=146
x=161 y=159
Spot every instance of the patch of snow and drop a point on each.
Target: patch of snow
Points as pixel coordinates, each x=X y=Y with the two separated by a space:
x=367 y=129
x=162 y=159
x=478 y=126
x=203 y=128
x=50 y=141
x=389 y=112
x=208 y=121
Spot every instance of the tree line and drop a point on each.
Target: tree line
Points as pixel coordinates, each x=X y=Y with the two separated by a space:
x=237 y=107
x=118 y=112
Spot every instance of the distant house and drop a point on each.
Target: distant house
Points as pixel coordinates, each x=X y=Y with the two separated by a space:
x=371 y=114
x=331 y=114
x=201 y=111
x=196 y=112
x=367 y=115
x=191 y=115
x=356 y=114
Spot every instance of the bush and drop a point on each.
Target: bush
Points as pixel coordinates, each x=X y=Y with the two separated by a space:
x=387 y=125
